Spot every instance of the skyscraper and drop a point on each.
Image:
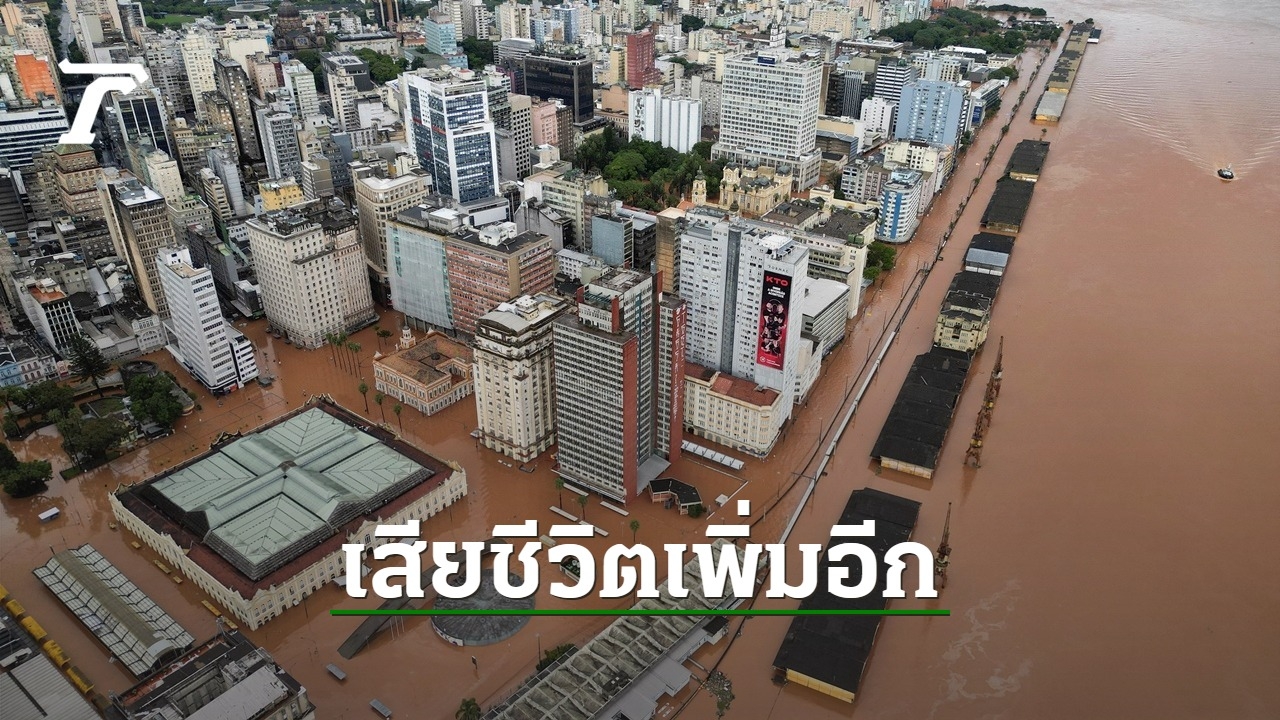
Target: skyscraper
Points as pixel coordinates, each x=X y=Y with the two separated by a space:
x=233 y=83
x=279 y=142
x=769 y=112
x=641 y=70
x=219 y=356
x=932 y=111
x=619 y=385
x=447 y=116
x=138 y=220
x=301 y=84
x=197 y=58
x=564 y=74
x=378 y=201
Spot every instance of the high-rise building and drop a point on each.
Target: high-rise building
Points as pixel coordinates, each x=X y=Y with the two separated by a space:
x=279 y=142
x=48 y=307
x=139 y=223
x=449 y=127
x=197 y=57
x=879 y=115
x=76 y=172
x=744 y=285
x=562 y=73
x=513 y=20
x=619 y=385
x=932 y=111
x=301 y=85
x=378 y=201
x=641 y=70
x=899 y=206
x=387 y=13
x=217 y=354
x=513 y=374
x=769 y=112
x=160 y=172
x=516 y=143
x=417 y=265
x=489 y=266
x=233 y=83
x=168 y=70
x=25 y=129
x=348 y=78
x=312 y=272
x=892 y=74
x=675 y=122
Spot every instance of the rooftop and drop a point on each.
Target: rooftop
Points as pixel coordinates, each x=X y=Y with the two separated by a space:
x=257 y=508
x=1009 y=202
x=845 y=224
x=1028 y=157
x=935 y=379
x=427 y=361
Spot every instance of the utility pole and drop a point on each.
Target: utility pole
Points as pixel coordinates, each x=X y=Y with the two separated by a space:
x=974 y=454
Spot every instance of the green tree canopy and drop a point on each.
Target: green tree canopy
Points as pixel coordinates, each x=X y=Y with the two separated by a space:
x=152 y=399
x=27 y=478
x=382 y=68
x=87 y=361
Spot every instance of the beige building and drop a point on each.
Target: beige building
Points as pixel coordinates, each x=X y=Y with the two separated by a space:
x=279 y=194
x=754 y=190
x=731 y=411
x=311 y=271
x=963 y=322
x=258 y=523
x=378 y=201
x=513 y=376
x=138 y=220
x=428 y=375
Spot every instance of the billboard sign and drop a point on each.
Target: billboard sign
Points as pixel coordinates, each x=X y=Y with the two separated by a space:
x=775 y=306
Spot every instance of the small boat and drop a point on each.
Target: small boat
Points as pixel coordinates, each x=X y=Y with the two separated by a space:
x=1226 y=173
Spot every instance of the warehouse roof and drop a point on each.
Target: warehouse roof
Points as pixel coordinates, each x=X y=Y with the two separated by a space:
x=1028 y=157
x=1009 y=203
x=36 y=690
x=931 y=390
x=992 y=242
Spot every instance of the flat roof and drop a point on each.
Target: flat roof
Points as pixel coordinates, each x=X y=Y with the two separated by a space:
x=823 y=293
x=930 y=391
x=36 y=690
x=258 y=508
x=835 y=650
x=127 y=621
x=986 y=257
x=1009 y=202
x=993 y=242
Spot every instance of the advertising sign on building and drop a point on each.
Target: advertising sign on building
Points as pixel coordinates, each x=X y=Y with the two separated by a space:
x=775 y=305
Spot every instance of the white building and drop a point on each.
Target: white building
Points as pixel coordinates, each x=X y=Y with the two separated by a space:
x=198 y=51
x=313 y=277
x=448 y=126
x=219 y=359
x=731 y=411
x=300 y=82
x=675 y=122
x=513 y=377
x=279 y=133
x=900 y=207
x=769 y=110
x=878 y=115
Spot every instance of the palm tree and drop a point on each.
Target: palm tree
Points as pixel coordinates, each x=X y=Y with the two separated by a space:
x=396 y=409
x=354 y=347
x=340 y=340
x=382 y=335
x=559 y=494
x=582 y=501
x=468 y=710
x=364 y=393
x=378 y=397
x=331 y=340
x=635 y=526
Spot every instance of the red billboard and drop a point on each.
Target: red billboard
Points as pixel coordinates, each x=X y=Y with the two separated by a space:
x=775 y=306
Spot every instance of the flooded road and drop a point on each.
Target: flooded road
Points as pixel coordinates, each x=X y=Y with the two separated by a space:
x=1112 y=557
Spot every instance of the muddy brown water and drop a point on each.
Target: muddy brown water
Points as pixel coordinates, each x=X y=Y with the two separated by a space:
x=1112 y=557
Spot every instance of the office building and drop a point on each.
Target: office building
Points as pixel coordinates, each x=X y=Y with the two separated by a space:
x=417 y=265
x=893 y=74
x=675 y=122
x=515 y=144
x=769 y=113
x=138 y=220
x=270 y=536
x=217 y=354
x=879 y=115
x=197 y=59
x=427 y=374
x=619 y=385
x=744 y=285
x=513 y=375
x=348 y=78
x=733 y=412
x=300 y=83
x=312 y=271
x=48 y=308
x=279 y=142
x=449 y=127
x=492 y=265
x=564 y=74
x=899 y=206
x=26 y=129
x=233 y=84
x=933 y=112
x=641 y=70
x=378 y=201
x=76 y=172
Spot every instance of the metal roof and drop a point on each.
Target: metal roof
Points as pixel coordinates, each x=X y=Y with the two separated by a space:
x=35 y=690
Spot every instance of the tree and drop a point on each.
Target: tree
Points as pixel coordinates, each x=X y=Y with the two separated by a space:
x=382 y=68
x=364 y=393
x=378 y=398
x=582 y=502
x=721 y=688
x=838 y=192
x=635 y=527
x=560 y=492
x=479 y=52
x=354 y=347
x=689 y=23
x=27 y=478
x=397 y=408
x=8 y=461
x=469 y=709
x=152 y=399
x=87 y=361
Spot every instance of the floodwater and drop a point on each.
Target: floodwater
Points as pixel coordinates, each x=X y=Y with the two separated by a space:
x=1111 y=557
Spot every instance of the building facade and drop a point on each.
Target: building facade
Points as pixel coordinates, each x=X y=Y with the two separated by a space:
x=492 y=265
x=138 y=219
x=427 y=374
x=216 y=358
x=449 y=127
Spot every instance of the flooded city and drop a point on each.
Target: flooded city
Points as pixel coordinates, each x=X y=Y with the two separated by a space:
x=1112 y=557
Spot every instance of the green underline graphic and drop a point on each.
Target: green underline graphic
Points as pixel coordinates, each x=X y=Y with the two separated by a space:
x=637 y=613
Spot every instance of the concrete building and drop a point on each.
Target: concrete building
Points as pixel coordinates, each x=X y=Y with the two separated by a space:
x=225 y=677
x=451 y=131
x=217 y=354
x=899 y=207
x=48 y=308
x=233 y=83
x=311 y=271
x=139 y=223
x=769 y=112
x=732 y=411
x=276 y=505
x=892 y=74
x=825 y=311
x=279 y=142
x=513 y=374
x=619 y=385
x=675 y=122
x=492 y=265
x=300 y=83
x=879 y=115
x=427 y=374
x=932 y=111
x=378 y=201
x=564 y=74
x=26 y=128
x=198 y=50
x=641 y=70
x=417 y=265
x=23 y=363
x=279 y=194
x=348 y=78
